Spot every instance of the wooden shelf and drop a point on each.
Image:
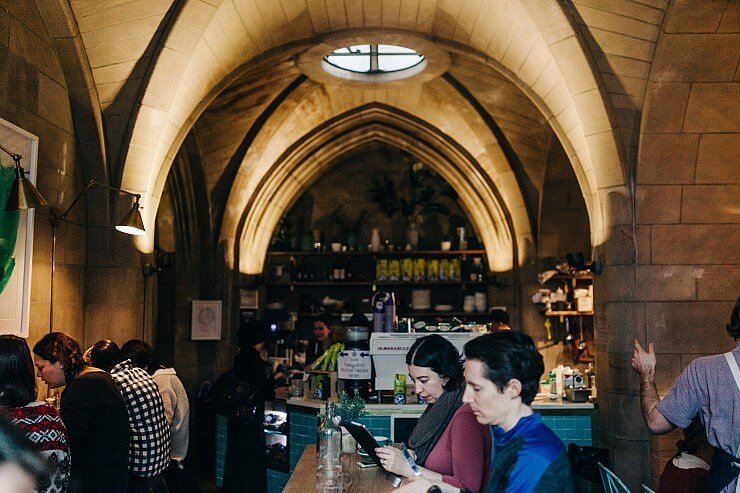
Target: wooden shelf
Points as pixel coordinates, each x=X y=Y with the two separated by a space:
x=566 y=313
x=319 y=284
x=399 y=253
x=431 y=313
x=374 y=283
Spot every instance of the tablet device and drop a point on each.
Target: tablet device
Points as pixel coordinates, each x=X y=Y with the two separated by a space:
x=369 y=444
x=364 y=438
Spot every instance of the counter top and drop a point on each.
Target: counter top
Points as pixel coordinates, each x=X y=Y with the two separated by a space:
x=356 y=480
x=541 y=402
x=372 y=409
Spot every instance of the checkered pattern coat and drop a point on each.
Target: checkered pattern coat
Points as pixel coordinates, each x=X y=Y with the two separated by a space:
x=149 y=452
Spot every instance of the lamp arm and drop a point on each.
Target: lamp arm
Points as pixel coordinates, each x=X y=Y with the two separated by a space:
x=16 y=157
x=56 y=219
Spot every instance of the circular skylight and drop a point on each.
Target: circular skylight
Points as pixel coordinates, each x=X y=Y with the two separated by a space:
x=374 y=60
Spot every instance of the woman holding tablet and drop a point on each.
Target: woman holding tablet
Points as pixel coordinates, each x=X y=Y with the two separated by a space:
x=448 y=443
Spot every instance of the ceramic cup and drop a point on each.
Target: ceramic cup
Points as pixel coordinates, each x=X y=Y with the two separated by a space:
x=382 y=441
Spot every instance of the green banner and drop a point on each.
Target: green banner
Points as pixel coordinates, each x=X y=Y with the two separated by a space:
x=9 y=221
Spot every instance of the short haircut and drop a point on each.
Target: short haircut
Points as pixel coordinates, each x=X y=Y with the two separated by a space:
x=733 y=328
x=141 y=355
x=439 y=354
x=17 y=449
x=17 y=381
x=507 y=355
x=500 y=316
x=105 y=354
x=59 y=347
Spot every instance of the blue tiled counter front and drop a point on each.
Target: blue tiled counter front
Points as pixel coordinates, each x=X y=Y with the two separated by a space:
x=572 y=422
x=304 y=423
x=276 y=480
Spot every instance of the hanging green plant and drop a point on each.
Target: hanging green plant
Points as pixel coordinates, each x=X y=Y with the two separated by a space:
x=420 y=194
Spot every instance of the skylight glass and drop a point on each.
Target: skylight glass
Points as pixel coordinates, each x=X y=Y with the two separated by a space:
x=374 y=59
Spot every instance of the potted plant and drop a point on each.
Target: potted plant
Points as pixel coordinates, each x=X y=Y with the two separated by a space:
x=349 y=409
x=348 y=226
x=421 y=194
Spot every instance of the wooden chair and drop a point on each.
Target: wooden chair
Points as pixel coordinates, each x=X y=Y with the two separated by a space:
x=611 y=482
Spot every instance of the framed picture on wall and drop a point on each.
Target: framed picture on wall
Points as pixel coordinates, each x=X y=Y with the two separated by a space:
x=248 y=298
x=16 y=233
x=206 y=320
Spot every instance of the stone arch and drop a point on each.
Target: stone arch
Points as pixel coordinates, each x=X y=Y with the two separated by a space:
x=549 y=64
x=504 y=229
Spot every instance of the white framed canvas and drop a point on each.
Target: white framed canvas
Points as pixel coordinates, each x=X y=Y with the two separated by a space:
x=206 y=320
x=16 y=256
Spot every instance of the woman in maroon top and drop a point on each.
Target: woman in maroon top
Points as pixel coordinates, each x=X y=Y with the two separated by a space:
x=448 y=442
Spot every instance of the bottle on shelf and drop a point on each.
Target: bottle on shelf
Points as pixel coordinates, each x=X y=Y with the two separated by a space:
x=293 y=270
x=476 y=272
x=338 y=272
x=391 y=321
x=328 y=453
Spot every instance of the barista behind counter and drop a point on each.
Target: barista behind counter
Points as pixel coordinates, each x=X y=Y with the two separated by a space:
x=323 y=337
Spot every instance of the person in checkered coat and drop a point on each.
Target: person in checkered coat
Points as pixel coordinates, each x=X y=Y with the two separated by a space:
x=149 y=452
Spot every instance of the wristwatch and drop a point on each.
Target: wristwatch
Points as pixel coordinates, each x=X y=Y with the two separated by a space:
x=434 y=489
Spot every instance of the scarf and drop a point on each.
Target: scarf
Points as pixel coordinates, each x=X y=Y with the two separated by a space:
x=433 y=422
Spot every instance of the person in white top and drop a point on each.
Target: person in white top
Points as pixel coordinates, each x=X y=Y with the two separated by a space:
x=176 y=405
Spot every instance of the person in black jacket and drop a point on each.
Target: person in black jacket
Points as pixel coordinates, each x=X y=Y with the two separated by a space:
x=94 y=412
x=247 y=385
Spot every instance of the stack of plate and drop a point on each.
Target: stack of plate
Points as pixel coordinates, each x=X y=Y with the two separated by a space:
x=421 y=299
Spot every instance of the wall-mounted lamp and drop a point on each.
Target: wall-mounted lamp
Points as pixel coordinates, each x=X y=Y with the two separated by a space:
x=131 y=224
x=23 y=195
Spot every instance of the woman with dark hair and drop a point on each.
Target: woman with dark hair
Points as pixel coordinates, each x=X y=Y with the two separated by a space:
x=94 y=412
x=40 y=421
x=447 y=441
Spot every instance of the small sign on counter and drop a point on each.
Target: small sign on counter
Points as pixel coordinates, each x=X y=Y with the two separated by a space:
x=354 y=364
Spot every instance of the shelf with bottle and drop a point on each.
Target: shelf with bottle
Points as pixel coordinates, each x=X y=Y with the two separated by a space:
x=367 y=253
x=366 y=268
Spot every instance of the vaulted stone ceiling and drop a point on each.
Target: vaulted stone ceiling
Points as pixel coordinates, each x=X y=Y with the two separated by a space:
x=521 y=76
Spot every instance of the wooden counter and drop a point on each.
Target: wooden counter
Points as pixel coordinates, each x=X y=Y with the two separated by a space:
x=357 y=479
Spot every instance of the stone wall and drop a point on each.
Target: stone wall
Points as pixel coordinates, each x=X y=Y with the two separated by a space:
x=684 y=242
x=97 y=279
x=34 y=96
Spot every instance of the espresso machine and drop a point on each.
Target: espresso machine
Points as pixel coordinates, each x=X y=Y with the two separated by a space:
x=389 y=353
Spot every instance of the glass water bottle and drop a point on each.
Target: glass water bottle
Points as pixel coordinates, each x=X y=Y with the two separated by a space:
x=328 y=453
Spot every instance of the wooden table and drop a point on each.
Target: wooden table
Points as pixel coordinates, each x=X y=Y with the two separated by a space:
x=357 y=479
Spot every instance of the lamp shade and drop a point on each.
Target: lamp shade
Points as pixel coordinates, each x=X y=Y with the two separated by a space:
x=23 y=195
x=132 y=224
